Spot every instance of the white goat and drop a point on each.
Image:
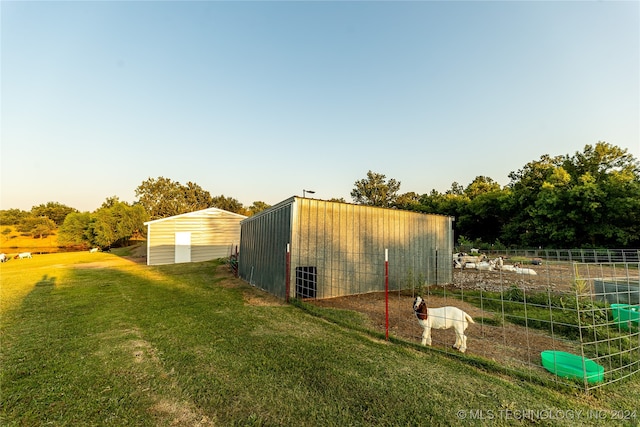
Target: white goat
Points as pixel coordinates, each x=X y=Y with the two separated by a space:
x=442 y=318
x=529 y=271
x=500 y=265
x=3 y=258
x=461 y=259
x=485 y=265
x=482 y=265
x=23 y=255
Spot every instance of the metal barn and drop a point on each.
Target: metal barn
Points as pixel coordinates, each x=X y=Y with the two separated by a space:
x=191 y=237
x=308 y=248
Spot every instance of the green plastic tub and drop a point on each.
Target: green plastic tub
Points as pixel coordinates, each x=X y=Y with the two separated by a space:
x=626 y=315
x=569 y=365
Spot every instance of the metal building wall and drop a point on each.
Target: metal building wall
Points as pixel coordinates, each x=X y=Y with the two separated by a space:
x=344 y=245
x=263 y=248
x=214 y=232
x=339 y=248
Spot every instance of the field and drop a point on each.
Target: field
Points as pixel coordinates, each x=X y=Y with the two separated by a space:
x=12 y=242
x=101 y=339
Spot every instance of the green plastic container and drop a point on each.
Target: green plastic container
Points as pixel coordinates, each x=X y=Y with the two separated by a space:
x=626 y=315
x=569 y=365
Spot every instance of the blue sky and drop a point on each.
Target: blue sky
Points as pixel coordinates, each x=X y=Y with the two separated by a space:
x=260 y=100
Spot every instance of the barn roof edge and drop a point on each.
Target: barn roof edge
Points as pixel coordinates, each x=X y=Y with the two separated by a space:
x=212 y=209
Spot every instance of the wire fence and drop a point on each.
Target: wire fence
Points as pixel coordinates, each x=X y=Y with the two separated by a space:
x=569 y=315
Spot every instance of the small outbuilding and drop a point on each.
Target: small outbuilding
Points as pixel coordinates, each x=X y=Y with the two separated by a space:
x=191 y=237
x=308 y=248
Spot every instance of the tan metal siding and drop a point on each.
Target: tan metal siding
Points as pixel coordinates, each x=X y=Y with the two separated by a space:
x=346 y=244
x=212 y=236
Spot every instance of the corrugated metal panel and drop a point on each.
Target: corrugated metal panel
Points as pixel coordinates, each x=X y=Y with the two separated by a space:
x=214 y=233
x=342 y=247
x=345 y=246
x=263 y=246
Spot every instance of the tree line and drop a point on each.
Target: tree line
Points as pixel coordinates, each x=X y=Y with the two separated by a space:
x=589 y=199
x=116 y=222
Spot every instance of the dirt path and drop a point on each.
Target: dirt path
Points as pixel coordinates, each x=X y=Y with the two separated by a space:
x=509 y=345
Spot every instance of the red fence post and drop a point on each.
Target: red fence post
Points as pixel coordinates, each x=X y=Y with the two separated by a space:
x=386 y=292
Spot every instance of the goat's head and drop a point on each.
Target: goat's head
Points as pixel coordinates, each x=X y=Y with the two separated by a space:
x=420 y=308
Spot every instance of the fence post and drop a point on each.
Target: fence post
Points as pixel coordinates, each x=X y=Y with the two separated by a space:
x=386 y=293
x=237 y=270
x=287 y=273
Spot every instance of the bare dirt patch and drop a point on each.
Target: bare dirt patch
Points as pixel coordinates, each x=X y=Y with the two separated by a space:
x=100 y=264
x=250 y=296
x=259 y=299
x=554 y=277
x=509 y=345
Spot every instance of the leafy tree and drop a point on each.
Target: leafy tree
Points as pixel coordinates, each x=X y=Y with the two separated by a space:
x=444 y=204
x=38 y=227
x=456 y=189
x=375 y=190
x=102 y=228
x=480 y=185
x=589 y=199
x=483 y=216
x=601 y=160
x=525 y=185
x=110 y=202
x=163 y=197
x=12 y=216
x=195 y=198
x=112 y=224
x=605 y=194
x=229 y=204
x=160 y=197
x=257 y=207
x=622 y=208
x=408 y=201
x=74 y=231
x=337 y=200
x=53 y=210
x=115 y=225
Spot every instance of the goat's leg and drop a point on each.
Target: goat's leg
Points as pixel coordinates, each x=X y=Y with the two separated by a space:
x=463 y=347
x=456 y=345
x=426 y=336
x=461 y=341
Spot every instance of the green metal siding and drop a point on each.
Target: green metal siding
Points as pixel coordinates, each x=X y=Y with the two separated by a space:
x=263 y=247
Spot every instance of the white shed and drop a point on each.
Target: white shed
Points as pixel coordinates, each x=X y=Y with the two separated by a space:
x=192 y=237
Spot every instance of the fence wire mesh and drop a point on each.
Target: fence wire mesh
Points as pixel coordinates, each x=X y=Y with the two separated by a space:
x=574 y=309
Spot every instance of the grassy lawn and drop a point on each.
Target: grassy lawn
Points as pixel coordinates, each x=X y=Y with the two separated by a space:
x=95 y=339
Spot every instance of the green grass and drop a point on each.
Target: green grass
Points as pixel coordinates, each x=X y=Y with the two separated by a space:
x=127 y=344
